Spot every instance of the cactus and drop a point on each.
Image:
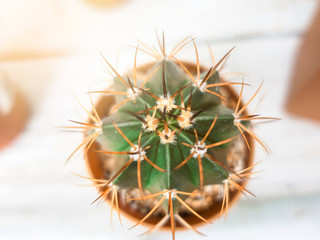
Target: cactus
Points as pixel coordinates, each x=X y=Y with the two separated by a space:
x=170 y=133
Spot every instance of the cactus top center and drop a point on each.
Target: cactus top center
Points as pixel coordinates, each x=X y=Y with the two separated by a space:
x=165 y=103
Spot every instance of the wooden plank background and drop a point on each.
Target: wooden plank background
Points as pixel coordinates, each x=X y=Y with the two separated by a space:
x=50 y=50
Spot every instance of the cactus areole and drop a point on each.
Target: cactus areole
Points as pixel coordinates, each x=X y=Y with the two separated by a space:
x=169 y=133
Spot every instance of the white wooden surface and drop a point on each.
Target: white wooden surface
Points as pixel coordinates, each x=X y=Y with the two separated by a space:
x=40 y=198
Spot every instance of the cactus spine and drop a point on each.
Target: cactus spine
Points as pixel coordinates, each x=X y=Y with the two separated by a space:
x=170 y=134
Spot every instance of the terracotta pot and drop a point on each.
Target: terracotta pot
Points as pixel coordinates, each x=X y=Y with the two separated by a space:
x=13 y=112
x=304 y=98
x=93 y=160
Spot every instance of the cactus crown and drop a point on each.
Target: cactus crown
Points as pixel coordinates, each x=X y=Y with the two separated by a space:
x=170 y=132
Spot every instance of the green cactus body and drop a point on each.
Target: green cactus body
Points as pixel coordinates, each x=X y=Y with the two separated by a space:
x=167 y=113
x=170 y=134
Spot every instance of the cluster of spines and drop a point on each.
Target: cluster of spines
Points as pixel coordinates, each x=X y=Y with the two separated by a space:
x=164 y=104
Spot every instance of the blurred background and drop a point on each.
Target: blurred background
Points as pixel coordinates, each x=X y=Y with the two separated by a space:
x=49 y=53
